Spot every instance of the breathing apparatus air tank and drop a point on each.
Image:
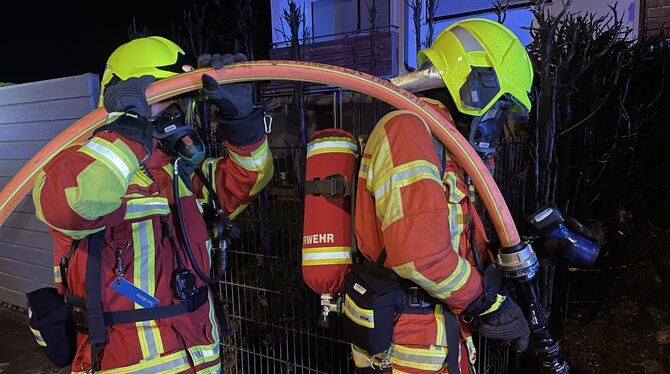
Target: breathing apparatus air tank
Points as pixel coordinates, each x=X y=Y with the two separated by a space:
x=327 y=232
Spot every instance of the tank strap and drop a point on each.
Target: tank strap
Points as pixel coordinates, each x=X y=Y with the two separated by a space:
x=332 y=187
x=97 y=331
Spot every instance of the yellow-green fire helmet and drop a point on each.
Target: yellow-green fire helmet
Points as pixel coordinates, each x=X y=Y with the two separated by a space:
x=142 y=56
x=480 y=61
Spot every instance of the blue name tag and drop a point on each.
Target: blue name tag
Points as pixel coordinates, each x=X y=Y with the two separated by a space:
x=135 y=294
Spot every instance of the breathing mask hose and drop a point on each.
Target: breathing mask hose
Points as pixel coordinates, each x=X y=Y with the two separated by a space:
x=519 y=263
x=182 y=228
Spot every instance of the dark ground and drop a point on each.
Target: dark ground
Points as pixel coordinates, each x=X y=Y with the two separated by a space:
x=19 y=353
x=630 y=332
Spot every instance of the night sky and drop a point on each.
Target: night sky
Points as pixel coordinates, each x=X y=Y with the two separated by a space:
x=48 y=41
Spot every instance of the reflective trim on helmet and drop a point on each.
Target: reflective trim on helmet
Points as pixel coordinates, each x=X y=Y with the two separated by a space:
x=467 y=39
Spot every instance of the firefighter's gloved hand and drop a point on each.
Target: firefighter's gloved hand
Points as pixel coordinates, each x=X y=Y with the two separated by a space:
x=241 y=123
x=233 y=100
x=496 y=315
x=128 y=96
x=506 y=323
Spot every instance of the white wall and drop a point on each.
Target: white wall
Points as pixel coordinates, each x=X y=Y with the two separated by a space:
x=629 y=9
x=519 y=19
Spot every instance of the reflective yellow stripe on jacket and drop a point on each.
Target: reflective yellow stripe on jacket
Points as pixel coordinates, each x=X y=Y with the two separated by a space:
x=432 y=359
x=144 y=277
x=172 y=363
x=440 y=290
x=259 y=162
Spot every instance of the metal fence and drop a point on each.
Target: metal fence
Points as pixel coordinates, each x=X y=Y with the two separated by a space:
x=272 y=315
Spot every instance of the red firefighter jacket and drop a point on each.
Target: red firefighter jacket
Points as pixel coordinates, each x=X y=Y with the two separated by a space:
x=417 y=207
x=100 y=185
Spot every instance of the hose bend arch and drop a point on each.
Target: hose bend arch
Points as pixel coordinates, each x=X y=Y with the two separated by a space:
x=441 y=127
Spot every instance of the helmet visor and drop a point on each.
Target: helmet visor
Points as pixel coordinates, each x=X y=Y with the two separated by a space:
x=481 y=90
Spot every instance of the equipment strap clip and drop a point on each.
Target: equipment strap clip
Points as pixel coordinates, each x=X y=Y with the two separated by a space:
x=332 y=186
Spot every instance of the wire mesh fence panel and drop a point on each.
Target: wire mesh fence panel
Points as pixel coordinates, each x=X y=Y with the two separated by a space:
x=272 y=316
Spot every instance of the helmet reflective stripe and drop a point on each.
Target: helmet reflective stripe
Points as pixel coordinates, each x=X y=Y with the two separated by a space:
x=470 y=55
x=138 y=57
x=467 y=40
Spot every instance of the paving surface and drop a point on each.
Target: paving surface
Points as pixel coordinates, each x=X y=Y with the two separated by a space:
x=19 y=353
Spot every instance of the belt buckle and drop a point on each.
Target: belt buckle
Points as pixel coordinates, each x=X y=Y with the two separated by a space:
x=415 y=297
x=79 y=318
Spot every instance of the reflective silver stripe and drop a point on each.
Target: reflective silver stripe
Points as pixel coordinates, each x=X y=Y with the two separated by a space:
x=167 y=367
x=365 y=320
x=137 y=208
x=364 y=169
x=143 y=232
x=254 y=162
x=454 y=227
x=325 y=255
x=467 y=40
x=398 y=178
x=57 y=275
x=111 y=157
x=453 y=282
x=436 y=359
x=312 y=147
x=147 y=206
x=211 y=370
x=198 y=353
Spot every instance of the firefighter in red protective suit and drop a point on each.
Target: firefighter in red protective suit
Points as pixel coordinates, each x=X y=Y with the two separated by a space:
x=120 y=183
x=412 y=201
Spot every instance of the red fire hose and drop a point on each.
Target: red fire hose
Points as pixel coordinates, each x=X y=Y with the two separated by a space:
x=441 y=127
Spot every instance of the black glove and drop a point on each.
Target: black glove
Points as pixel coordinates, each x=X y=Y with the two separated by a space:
x=496 y=315
x=128 y=96
x=240 y=122
x=132 y=127
x=233 y=100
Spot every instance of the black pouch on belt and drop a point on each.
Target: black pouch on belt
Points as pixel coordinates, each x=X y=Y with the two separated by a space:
x=372 y=297
x=51 y=323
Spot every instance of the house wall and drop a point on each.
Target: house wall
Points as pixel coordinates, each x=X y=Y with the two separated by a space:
x=31 y=115
x=657 y=16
